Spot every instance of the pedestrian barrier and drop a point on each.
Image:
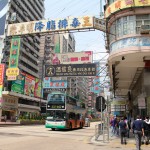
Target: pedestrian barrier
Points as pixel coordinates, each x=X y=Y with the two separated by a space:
x=98 y=130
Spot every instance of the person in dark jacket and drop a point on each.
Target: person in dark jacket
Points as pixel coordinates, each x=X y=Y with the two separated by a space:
x=123 y=131
x=138 y=130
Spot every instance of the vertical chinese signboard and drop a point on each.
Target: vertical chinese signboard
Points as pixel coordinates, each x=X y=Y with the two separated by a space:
x=13 y=71
x=2 y=68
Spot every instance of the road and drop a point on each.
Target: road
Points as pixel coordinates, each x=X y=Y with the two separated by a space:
x=39 y=138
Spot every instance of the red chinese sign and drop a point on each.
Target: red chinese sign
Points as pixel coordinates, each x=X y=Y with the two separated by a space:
x=2 y=67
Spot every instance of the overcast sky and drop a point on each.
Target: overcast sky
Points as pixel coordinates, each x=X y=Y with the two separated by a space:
x=85 y=41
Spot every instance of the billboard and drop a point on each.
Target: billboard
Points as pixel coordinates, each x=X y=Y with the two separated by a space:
x=56 y=84
x=29 y=85
x=73 y=58
x=38 y=88
x=70 y=70
x=18 y=85
x=57 y=25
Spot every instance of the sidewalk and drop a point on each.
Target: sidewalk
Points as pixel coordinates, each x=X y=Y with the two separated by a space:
x=114 y=143
x=9 y=123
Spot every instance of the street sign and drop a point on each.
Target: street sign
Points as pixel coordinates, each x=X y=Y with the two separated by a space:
x=100 y=24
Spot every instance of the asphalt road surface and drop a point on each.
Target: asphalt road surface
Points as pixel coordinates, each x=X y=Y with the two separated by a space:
x=40 y=138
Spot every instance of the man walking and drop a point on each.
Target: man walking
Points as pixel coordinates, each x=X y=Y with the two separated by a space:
x=138 y=129
x=123 y=131
x=147 y=130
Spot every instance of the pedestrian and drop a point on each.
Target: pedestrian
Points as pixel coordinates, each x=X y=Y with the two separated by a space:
x=128 y=126
x=123 y=131
x=114 y=122
x=138 y=130
x=146 y=130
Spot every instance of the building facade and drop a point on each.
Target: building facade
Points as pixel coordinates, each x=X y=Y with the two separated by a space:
x=128 y=42
x=15 y=102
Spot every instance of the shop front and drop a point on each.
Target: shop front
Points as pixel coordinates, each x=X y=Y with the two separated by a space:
x=9 y=108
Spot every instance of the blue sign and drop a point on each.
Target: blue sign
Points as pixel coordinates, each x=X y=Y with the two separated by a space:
x=56 y=84
x=96 y=82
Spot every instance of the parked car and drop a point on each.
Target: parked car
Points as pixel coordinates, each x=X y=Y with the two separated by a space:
x=87 y=122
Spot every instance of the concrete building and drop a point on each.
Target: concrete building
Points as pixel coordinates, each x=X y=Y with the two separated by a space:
x=14 y=103
x=128 y=42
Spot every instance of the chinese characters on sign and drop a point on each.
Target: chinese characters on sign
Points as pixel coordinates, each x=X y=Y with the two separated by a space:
x=71 y=23
x=123 y=4
x=70 y=70
x=54 y=84
x=13 y=71
x=2 y=67
x=73 y=58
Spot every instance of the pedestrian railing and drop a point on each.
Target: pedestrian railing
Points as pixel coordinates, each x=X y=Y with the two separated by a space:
x=98 y=130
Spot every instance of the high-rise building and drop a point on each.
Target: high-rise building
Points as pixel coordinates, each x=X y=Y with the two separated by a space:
x=128 y=42
x=28 y=101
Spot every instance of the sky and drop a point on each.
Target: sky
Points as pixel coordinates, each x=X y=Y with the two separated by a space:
x=85 y=41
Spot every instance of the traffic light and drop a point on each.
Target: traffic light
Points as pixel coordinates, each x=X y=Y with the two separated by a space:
x=98 y=105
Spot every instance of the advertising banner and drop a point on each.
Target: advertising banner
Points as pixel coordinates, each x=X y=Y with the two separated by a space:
x=2 y=69
x=38 y=88
x=58 y=25
x=96 y=81
x=29 y=85
x=18 y=85
x=14 y=52
x=73 y=58
x=70 y=70
x=57 y=84
x=13 y=71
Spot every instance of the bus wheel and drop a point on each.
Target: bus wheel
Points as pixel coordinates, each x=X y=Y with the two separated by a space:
x=70 y=126
x=53 y=129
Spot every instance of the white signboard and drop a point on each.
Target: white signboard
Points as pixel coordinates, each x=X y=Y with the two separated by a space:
x=100 y=24
x=58 y=25
x=73 y=58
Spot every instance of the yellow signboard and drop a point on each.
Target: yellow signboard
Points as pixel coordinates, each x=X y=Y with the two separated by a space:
x=57 y=25
x=12 y=73
x=122 y=4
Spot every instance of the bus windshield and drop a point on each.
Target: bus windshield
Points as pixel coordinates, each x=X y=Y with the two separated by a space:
x=57 y=116
x=56 y=101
